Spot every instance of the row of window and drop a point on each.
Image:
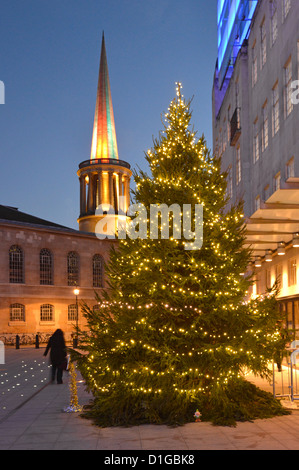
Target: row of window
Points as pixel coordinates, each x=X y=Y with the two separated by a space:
x=47 y=312
x=290 y=277
x=46 y=267
x=274 y=22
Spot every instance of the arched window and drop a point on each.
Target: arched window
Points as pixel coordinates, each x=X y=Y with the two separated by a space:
x=46 y=312
x=16 y=265
x=46 y=267
x=73 y=268
x=17 y=312
x=72 y=312
x=97 y=270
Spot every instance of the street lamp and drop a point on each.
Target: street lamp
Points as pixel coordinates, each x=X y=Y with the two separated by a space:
x=75 y=340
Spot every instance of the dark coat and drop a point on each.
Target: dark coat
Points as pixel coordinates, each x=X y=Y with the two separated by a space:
x=57 y=348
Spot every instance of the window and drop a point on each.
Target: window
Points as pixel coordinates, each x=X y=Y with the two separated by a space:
x=290 y=168
x=274 y=21
x=238 y=166
x=228 y=125
x=254 y=65
x=96 y=308
x=256 y=147
x=278 y=275
x=17 y=312
x=292 y=272
x=73 y=269
x=277 y=179
x=257 y=203
x=16 y=265
x=268 y=279
x=286 y=6
x=47 y=313
x=72 y=312
x=265 y=128
x=97 y=267
x=46 y=268
x=288 y=88
x=263 y=44
x=229 y=183
x=275 y=109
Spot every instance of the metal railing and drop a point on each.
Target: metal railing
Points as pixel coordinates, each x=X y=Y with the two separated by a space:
x=104 y=161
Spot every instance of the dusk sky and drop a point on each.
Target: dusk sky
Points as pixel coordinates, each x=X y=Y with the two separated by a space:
x=49 y=63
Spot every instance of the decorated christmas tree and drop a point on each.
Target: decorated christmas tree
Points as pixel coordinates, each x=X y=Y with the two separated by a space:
x=174 y=333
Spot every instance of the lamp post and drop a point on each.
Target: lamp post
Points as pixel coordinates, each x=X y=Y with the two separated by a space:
x=75 y=341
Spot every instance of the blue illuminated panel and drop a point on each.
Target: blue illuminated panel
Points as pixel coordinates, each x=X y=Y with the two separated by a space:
x=234 y=20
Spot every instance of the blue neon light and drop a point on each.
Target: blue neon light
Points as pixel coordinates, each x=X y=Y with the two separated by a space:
x=234 y=20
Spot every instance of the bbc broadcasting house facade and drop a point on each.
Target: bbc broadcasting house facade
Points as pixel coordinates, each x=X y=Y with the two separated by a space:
x=256 y=133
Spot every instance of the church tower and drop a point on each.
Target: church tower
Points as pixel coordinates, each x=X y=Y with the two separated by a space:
x=104 y=178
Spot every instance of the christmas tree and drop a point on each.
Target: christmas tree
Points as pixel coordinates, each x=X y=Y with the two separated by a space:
x=174 y=333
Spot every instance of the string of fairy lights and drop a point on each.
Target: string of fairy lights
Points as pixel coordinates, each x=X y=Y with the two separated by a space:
x=173 y=343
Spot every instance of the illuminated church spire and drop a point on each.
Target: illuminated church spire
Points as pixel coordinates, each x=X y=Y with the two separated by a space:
x=104 y=144
x=104 y=178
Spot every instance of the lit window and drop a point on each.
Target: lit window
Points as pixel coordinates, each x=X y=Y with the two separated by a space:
x=288 y=88
x=290 y=173
x=275 y=110
x=265 y=128
x=278 y=275
x=72 y=312
x=277 y=180
x=263 y=44
x=268 y=279
x=254 y=65
x=238 y=166
x=256 y=147
x=46 y=268
x=286 y=6
x=97 y=267
x=17 y=312
x=47 y=312
x=73 y=269
x=257 y=203
x=292 y=272
x=274 y=22
x=16 y=265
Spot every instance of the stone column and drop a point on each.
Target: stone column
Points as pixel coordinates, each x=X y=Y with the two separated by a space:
x=82 y=195
x=111 y=192
x=127 y=191
x=99 y=189
x=120 y=190
x=90 y=201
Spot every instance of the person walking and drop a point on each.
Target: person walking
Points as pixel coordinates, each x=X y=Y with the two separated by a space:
x=58 y=355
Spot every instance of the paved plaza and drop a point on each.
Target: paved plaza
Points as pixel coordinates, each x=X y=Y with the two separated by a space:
x=32 y=417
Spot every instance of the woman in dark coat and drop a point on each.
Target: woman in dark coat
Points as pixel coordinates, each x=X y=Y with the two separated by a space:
x=57 y=354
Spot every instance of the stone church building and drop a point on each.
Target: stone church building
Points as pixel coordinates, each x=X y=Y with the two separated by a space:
x=47 y=269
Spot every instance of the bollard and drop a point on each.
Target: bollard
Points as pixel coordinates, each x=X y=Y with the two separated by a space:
x=36 y=342
x=17 y=342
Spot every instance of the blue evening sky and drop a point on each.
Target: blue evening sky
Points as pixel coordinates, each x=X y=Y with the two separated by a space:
x=49 y=61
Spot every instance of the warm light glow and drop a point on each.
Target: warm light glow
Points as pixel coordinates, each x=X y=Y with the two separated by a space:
x=281 y=249
x=76 y=292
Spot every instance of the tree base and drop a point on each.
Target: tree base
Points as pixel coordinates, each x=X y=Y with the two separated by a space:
x=238 y=401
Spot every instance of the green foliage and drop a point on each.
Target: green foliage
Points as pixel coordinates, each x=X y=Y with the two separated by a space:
x=174 y=332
